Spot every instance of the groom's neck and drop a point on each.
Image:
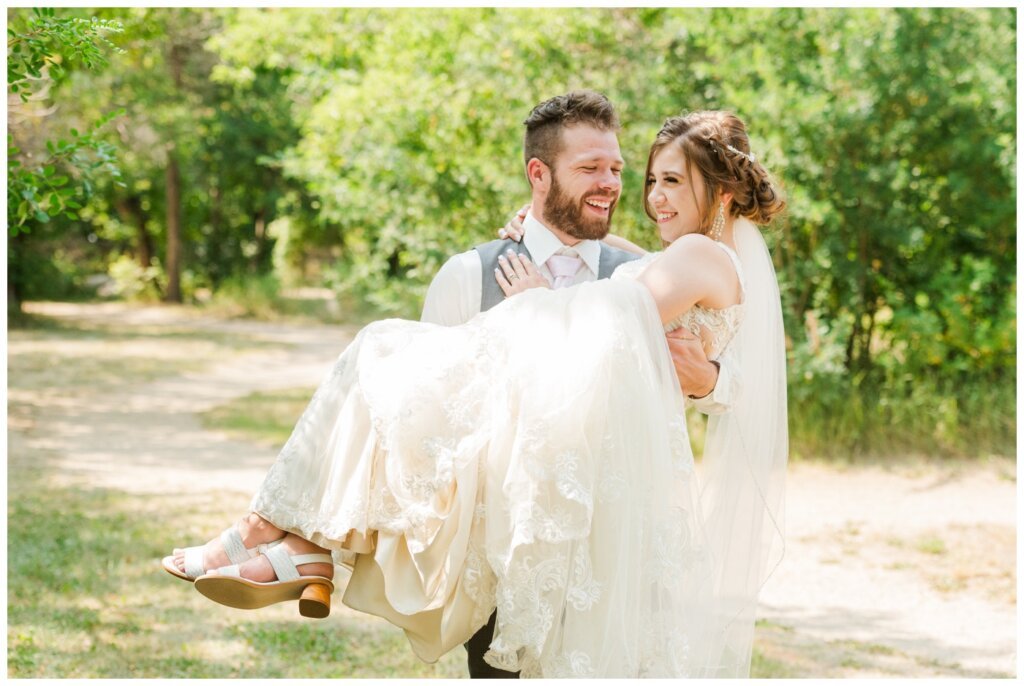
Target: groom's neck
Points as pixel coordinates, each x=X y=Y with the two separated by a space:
x=538 y=213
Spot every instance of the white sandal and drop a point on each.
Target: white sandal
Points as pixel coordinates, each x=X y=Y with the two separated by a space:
x=235 y=549
x=226 y=587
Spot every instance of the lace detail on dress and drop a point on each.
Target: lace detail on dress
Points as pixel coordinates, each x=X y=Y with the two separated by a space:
x=495 y=469
x=721 y=325
x=478 y=579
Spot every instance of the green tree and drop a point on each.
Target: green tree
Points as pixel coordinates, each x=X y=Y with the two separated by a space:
x=359 y=148
x=49 y=173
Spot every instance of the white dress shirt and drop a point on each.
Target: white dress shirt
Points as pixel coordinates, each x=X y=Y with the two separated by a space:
x=454 y=295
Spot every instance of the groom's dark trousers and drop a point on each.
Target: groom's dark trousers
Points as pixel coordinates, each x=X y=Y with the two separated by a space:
x=477 y=646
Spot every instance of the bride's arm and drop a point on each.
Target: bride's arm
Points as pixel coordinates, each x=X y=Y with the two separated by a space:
x=693 y=270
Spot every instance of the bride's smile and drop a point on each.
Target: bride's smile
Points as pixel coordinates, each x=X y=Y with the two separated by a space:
x=672 y=193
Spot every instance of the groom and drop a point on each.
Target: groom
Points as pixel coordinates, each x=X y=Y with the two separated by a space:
x=574 y=167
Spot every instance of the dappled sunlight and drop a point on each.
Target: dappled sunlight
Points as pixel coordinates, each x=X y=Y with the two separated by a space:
x=110 y=479
x=223 y=196
x=116 y=612
x=918 y=560
x=127 y=473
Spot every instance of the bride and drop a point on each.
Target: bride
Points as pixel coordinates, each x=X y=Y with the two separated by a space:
x=535 y=459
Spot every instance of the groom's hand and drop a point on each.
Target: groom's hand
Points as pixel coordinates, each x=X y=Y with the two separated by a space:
x=697 y=375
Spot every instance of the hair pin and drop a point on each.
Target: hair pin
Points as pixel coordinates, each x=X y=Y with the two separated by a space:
x=750 y=156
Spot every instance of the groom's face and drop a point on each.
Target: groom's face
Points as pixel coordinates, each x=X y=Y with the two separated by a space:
x=586 y=183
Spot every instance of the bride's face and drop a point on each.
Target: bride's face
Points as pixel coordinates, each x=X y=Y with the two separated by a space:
x=672 y=192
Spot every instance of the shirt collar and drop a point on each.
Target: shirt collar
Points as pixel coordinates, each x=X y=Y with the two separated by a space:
x=542 y=244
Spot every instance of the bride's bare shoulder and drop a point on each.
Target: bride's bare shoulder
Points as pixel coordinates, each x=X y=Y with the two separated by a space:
x=694 y=246
x=699 y=259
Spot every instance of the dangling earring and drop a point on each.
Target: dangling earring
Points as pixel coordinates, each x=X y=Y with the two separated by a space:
x=718 y=225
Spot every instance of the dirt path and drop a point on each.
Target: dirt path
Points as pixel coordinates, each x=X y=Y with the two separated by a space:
x=900 y=571
x=904 y=571
x=148 y=437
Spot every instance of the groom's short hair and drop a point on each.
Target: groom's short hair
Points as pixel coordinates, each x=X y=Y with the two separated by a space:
x=544 y=125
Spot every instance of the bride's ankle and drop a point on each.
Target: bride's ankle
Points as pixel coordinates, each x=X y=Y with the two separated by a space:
x=259 y=530
x=296 y=544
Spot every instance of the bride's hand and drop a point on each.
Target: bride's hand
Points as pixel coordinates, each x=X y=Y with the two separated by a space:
x=515 y=229
x=517 y=274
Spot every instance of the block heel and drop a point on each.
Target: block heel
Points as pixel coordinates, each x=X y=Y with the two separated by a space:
x=315 y=601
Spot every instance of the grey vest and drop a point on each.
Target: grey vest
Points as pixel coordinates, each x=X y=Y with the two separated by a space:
x=491 y=293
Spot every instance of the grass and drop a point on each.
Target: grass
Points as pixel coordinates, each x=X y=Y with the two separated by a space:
x=87 y=599
x=782 y=653
x=46 y=353
x=264 y=418
x=263 y=298
x=764 y=667
x=858 y=424
x=976 y=558
x=932 y=545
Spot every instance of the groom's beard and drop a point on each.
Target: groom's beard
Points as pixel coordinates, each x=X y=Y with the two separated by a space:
x=566 y=214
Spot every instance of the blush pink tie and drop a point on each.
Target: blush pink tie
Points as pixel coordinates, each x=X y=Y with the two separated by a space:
x=563 y=268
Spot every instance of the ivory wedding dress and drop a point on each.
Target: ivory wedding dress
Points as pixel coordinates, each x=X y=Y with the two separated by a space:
x=534 y=459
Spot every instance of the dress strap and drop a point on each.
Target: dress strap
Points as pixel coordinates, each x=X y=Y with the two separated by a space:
x=736 y=263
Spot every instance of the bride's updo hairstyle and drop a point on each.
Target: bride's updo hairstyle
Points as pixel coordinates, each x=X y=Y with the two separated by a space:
x=716 y=143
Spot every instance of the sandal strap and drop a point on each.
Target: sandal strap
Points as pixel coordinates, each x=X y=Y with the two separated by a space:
x=234 y=548
x=282 y=563
x=310 y=558
x=194 y=562
x=262 y=548
x=228 y=570
x=286 y=566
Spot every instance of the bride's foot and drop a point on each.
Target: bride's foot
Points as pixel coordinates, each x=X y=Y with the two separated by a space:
x=260 y=570
x=253 y=530
x=296 y=569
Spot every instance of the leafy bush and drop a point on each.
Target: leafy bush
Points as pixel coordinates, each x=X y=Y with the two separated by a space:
x=132 y=281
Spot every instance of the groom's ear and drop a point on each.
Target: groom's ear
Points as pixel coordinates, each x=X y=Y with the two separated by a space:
x=538 y=174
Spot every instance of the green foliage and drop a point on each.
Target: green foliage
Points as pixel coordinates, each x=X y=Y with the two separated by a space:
x=39 y=193
x=249 y=296
x=359 y=148
x=48 y=176
x=132 y=281
x=843 y=416
x=38 y=50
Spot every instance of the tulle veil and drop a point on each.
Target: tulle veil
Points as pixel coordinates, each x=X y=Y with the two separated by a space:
x=744 y=463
